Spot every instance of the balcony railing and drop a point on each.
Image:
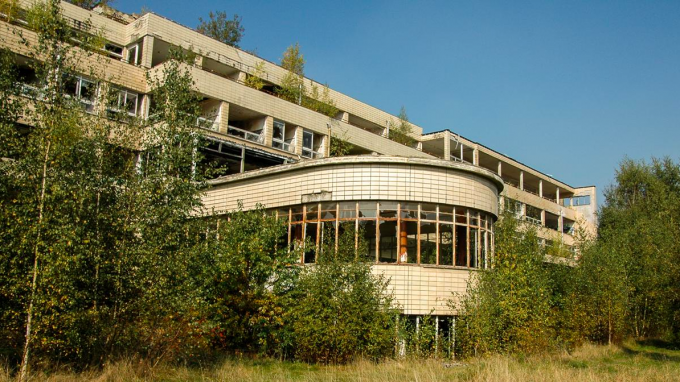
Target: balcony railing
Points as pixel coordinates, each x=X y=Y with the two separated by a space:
x=532 y=220
x=245 y=134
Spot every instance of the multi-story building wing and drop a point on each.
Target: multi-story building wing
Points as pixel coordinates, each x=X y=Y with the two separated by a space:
x=425 y=212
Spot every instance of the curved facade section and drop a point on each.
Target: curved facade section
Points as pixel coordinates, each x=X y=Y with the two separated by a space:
x=359 y=178
x=425 y=224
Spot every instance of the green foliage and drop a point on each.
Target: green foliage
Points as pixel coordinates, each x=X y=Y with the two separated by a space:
x=508 y=308
x=254 y=79
x=638 y=253
x=402 y=131
x=222 y=29
x=250 y=273
x=88 y=4
x=342 y=312
x=292 y=84
x=320 y=101
x=339 y=145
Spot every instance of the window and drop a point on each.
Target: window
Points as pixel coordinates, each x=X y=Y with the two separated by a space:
x=123 y=101
x=308 y=144
x=583 y=200
x=134 y=56
x=113 y=50
x=82 y=89
x=279 y=136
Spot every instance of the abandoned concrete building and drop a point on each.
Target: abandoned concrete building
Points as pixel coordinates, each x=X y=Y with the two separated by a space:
x=426 y=211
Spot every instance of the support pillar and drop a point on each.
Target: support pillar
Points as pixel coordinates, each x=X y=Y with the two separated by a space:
x=543 y=218
x=198 y=61
x=557 y=195
x=147 y=51
x=475 y=156
x=223 y=125
x=298 y=140
x=343 y=116
x=268 y=130
x=403 y=243
x=239 y=77
x=560 y=222
x=540 y=188
x=447 y=145
x=521 y=180
x=325 y=147
x=500 y=172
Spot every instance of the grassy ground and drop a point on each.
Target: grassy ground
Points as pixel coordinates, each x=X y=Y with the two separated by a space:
x=632 y=362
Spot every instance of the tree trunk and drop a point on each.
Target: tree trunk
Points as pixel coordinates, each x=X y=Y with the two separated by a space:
x=23 y=372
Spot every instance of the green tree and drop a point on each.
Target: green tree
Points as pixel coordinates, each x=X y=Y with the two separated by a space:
x=342 y=311
x=402 y=131
x=292 y=84
x=508 y=307
x=219 y=27
x=340 y=146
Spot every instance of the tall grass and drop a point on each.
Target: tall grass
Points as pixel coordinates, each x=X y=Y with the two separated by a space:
x=631 y=362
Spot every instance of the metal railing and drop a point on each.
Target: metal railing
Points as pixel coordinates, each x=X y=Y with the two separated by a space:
x=245 y=134
x=309 y=153
x=206 y=123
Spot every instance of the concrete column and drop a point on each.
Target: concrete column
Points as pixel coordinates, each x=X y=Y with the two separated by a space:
x=560 y=222
x=147 y=51
x=298 y=139
x=102 y=101
x=523 y=209
x=500 y=172
x=521 y=180
x=146 y=105
x=447 y=145
x=419 y=146
x=343 y=116
x=461 y=152
x=475 y=156
x=268 y=130
x=325 y=148
x=224 y=117
x=557 y=195
x=540 y=188
x=543 y=218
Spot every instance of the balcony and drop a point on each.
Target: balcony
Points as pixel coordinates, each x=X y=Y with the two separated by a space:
x=251 y=136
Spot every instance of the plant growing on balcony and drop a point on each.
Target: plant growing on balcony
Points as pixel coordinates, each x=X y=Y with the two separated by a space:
x=292 y=84
x=254 y=79
x=401 y=131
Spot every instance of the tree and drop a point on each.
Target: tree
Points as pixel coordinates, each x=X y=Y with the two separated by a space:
x=101 y=216
x=342 y=311
x=339 y=145
x=402 y=131
x=292 y=83
x=221 y=29
x=88 y=4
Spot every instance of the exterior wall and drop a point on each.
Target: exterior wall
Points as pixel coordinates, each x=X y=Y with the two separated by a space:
x=359 y=178
x=420 y=289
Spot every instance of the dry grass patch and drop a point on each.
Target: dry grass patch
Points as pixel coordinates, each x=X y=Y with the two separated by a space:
x=631 y=362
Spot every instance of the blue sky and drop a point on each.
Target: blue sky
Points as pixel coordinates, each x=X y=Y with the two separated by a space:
x=569 y=88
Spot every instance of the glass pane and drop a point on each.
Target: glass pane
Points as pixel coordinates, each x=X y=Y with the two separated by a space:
x=388 y=242
x=445 y=213
x=474 y=247
x=279 y=130
x=71 y=86
x=388 y=210
x=295 y=235
x=88 y=90
x=282 y=214
x=428 y=211
x=482 y=255
x=408 y=242
x=367 y=240
x=308 y=140
x=348 y=210
x=310 y=242
x=461 y=246
x=461 y=215
x=445 y=244
x=297 y=214
x=328 y=210
x=367 y=209
x=409 y=210
x=428 y=243
x=313 y=212
x=131 y=103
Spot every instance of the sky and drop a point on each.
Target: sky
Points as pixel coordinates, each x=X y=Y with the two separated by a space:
x=569 y=88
